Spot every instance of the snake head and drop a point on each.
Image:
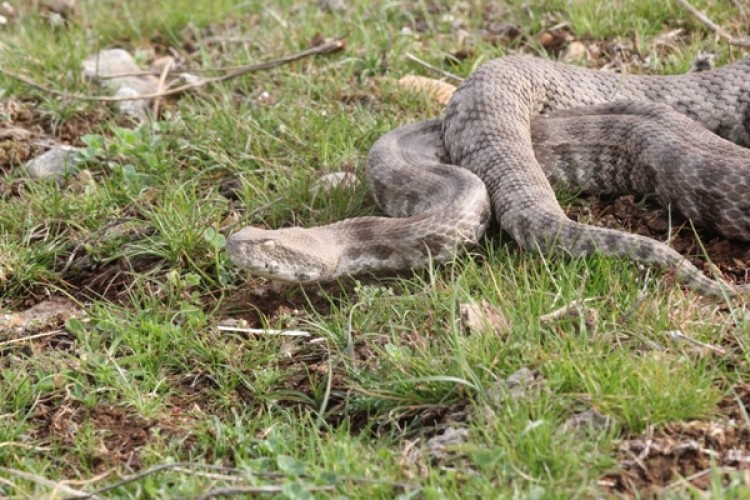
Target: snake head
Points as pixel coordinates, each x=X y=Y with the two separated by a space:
x=294 y=254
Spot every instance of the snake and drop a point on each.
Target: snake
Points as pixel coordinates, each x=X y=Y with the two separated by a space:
x=517 y=129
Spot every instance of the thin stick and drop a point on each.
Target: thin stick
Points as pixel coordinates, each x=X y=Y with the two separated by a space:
x=172 y=71
x=424 y=63
x=160 y=88
x=265 y=331
x=566 y=311
x=676 y=335
x=708 y=23
x=325 y=48
x=689 y=479
x=31 y=337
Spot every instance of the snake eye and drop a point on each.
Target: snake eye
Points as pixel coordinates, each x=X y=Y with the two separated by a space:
x=269 y=244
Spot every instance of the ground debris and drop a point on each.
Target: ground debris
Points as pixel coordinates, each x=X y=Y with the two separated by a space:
x=108 y=63
x=440 y=449
x=441 y=446
x=477 y=317
x=48 y=314
x=590 y=420
x=518 y=385
x=121 y=434
x=664 y=456
x=39 y=328
x=572 y=311
x=676 y=336
x=332 y=5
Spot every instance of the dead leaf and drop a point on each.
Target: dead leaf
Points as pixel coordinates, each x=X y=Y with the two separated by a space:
x=576 y=52
x=478 y=317
x=438 y=90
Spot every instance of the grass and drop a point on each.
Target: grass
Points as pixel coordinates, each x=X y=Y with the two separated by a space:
x=145 y=377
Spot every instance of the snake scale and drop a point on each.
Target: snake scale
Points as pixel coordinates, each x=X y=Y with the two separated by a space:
x=514 y=129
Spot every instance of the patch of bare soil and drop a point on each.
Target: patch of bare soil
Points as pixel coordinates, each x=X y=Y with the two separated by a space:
x=670 y=456
x=118 y=435
x=26 y=132
x=648 y=219
x=38 y=328
x=262 y=302
x=19 y=134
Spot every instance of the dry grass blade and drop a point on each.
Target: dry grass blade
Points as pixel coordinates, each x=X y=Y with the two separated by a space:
x=57 y=487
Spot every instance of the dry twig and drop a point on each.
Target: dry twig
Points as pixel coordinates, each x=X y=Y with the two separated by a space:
x=677 y=335
x=571 y=310
x=326 y=48
x=30 y=337
x=265 y=331
x=427 y=65
x=708 y=23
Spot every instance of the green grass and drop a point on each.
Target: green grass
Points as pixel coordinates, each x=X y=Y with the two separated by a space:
x=390 y=365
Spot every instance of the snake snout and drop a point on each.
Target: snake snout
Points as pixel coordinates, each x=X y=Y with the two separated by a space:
x=293 y=254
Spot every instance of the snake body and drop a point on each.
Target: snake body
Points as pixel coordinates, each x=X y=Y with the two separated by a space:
x=514 y=129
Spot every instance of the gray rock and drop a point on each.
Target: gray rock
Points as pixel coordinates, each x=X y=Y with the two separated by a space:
x=137 y=108
x=57 y=162
x=108 y=63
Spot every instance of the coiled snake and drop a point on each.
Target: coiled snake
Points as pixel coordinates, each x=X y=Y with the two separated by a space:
x=517 y=126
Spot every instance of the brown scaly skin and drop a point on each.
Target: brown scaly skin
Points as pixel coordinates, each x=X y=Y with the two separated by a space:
x=599 y=132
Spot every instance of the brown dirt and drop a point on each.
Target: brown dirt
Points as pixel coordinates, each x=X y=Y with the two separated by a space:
x=259 y=301
x=118 y=434
x=19 y=134
x=38 y=328
x=657 y=460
